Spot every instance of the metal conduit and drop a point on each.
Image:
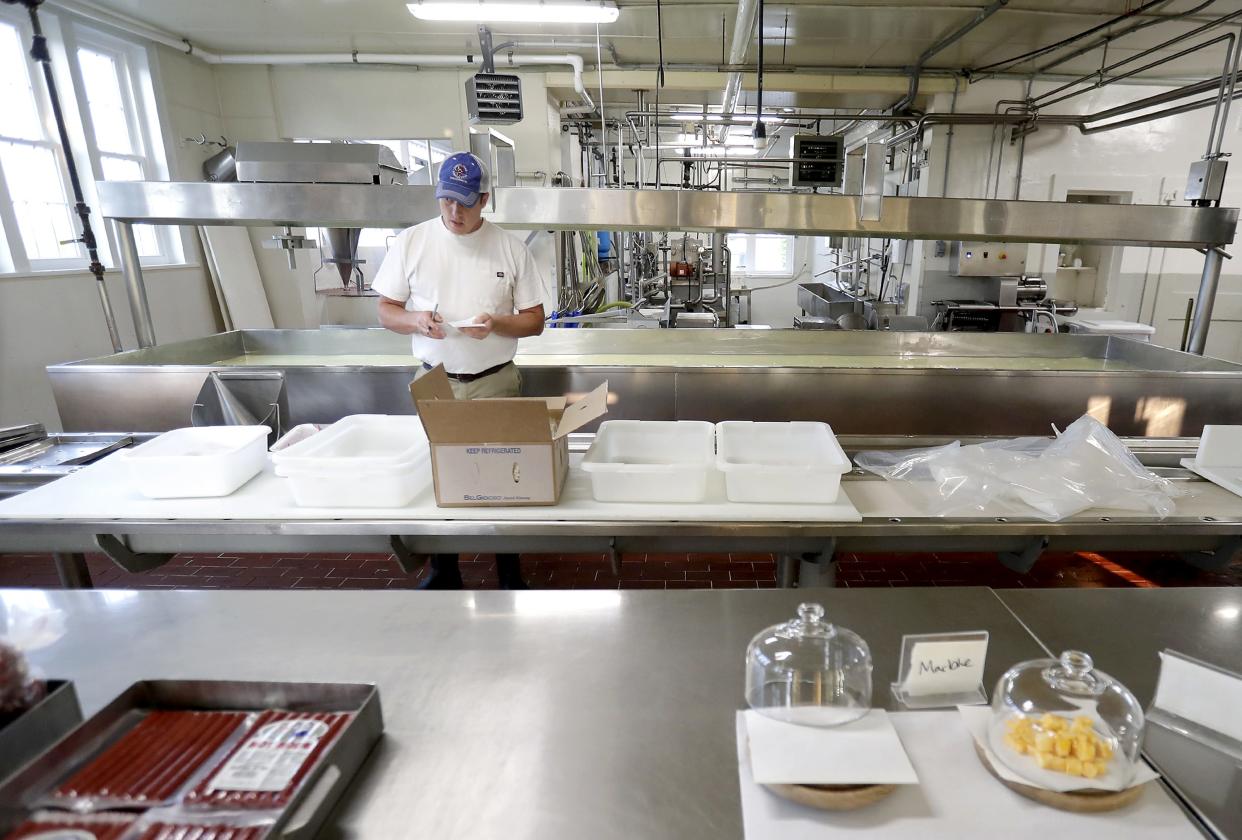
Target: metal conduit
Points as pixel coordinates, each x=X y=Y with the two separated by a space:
x=1102 y=82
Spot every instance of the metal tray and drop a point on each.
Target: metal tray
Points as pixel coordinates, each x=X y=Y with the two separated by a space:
x=64 y=450
x=310 y=806
x=26 y=737
x=43 y=460
x=11 y=436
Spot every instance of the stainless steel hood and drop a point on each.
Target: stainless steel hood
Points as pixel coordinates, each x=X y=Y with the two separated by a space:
x=540 y=208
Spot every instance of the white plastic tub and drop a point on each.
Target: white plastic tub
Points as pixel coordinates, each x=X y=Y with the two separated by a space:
x=364 y=460
x=198 y=461
x=650 y=461
x=780 y=462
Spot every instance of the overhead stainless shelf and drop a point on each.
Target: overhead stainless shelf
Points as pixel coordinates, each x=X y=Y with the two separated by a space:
x=548 y=208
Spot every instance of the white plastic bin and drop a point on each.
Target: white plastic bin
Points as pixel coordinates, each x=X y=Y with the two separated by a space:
x=364 y=460
x=650 y=461
x=198 y=461
x=780 y=462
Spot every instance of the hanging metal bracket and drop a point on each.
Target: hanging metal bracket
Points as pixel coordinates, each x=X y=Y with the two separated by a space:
x=409 y=561
x=125 y=557
x=1214 y=561
x=1023 y=561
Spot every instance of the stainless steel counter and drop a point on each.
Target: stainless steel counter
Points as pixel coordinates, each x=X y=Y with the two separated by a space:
x=1133 y=625
x=1124 y=630
x=869 y=383
x=540 y=715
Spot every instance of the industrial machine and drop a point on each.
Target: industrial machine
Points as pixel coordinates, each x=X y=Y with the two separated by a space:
x=320 y=163
x=1010 y=301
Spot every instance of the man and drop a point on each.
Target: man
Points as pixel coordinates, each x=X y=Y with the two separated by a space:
x=461 y=268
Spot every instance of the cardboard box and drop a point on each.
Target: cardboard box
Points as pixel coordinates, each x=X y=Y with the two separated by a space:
x=499 y=452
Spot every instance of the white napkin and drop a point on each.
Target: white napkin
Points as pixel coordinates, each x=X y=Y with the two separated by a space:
x=864 y=752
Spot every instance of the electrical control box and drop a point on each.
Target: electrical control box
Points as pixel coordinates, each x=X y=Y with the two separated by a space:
x=822 y=164
x=1206 y=181
x=988 y=259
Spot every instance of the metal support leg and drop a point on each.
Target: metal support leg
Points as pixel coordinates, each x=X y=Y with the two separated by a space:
x=131 y=268
x=819 y=569
x=1204 y=302
x=787 y=569
x=73 y=571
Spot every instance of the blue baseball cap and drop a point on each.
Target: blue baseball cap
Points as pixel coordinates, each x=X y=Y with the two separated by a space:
x=463 y=178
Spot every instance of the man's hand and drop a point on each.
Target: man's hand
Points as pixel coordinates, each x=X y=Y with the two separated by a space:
x=481 y=328
x=428 y=324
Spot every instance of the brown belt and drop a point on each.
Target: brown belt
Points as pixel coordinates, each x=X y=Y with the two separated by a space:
x=471 y=377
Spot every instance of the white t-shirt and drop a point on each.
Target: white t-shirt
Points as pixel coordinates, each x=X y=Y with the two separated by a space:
x=488 y=271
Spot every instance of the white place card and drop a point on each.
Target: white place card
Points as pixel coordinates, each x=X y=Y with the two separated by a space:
x=866 y=751
x=1200 y=693
x=941 y=670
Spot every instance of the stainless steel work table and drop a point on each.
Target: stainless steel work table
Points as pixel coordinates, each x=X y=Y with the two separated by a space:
x=1125 y=629
x=590 y=714
x=1206 y=526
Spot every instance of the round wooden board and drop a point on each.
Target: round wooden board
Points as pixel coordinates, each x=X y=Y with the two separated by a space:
x=1076 y=801
x=833 y=797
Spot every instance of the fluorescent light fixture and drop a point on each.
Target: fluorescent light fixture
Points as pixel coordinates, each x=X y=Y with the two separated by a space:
x=502 y=11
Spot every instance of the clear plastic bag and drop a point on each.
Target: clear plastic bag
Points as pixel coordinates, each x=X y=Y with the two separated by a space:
x=1085 y=467
x=24 y=628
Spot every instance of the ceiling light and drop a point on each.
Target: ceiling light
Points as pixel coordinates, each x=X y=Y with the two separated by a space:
x=501 y=11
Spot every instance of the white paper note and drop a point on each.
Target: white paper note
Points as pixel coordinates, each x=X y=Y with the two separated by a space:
x=946 y=667
x=866 y=751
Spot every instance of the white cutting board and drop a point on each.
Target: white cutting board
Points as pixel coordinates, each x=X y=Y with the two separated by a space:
x=955 y=799
x=103 y=490
x=1228 y=477
x=232 y=260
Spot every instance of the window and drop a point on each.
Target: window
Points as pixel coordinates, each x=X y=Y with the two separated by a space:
x=35 y=212
x=105 y=88
x=114 y=81
x=758 y=254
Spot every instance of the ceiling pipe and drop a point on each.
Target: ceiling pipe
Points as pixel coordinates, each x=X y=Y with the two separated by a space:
x=941 y=45
x=150 y=33
x=743 y=32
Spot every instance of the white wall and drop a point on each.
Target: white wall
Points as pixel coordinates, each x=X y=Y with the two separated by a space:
x=52 y=318
x=1147 y=162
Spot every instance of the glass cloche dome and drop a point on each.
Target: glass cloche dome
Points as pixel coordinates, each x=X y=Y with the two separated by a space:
x=809 y=671
x=1063 y=717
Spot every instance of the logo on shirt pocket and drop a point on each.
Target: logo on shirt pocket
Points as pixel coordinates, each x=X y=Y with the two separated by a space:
x=500 y=274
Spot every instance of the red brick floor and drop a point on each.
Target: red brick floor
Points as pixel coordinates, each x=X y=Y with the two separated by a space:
x=651 y=571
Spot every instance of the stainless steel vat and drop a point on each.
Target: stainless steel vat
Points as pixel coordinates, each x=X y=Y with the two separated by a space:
x=874 y=383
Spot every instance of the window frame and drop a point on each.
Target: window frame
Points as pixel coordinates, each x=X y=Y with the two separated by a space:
x=65 y=35
x=18 y=259
x=134 y=76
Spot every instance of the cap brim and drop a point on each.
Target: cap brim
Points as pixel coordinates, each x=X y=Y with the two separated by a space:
x=463 y=197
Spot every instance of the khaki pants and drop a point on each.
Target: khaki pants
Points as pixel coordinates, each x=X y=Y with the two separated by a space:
x=506 y=382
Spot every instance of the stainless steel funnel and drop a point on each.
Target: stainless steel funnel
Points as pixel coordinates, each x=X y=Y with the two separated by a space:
x=342 y=246
x=243 y=398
